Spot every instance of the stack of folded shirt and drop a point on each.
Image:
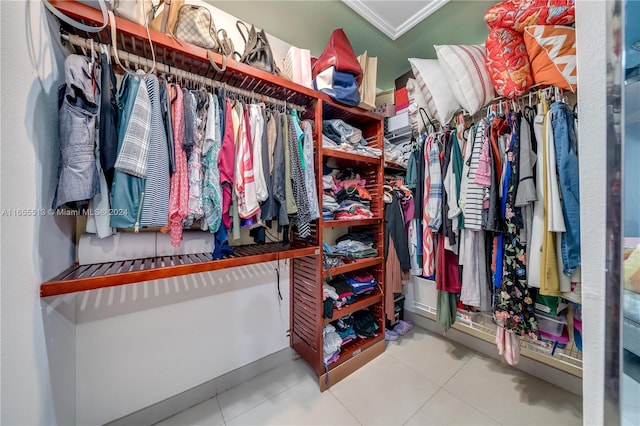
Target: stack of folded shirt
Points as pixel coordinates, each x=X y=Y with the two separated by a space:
x=351 y=210
x=354 y=249
x=342 y=288
x=362 y=282
x=393 y=154
x=336 y=134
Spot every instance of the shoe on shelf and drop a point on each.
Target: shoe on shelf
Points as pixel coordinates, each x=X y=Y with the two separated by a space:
x=403 y=327
x=390 y=335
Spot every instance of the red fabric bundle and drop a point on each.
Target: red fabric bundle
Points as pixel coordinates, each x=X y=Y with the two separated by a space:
x=518 y=14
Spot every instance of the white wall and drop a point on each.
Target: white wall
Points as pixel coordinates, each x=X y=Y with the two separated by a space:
x=38 y=357
x=591 y=32
x=140 y=344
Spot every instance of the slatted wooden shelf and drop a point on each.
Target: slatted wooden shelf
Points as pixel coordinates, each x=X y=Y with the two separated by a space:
x=335 y=223
x=353 y=266
x=361 y=303
x=90 y=277
x=394 y=167
x=133 y=38
x=339 y=159
x=354 y=348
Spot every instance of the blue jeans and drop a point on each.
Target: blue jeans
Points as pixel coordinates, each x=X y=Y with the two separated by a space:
x=566 y=146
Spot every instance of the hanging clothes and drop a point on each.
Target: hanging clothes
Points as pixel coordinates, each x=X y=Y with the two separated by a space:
x=99 y=223
x=165 y=107
x=267 y=208
x=196 y=110
x=226 y=163
x=127 y=191
x=108 y=119
x=515 y=309
x=292 y=208
x=212 y=191
x=392 y=280
x=534 y=254
x=428 y=249
x=256 y=122
x=245 y=184
x=155 y=206
x=279 y=171
x=474 y=193
x=435 y=193
x=299 y=189
x=310 y=171
x=566 y=150
x=553 y=219
x=238 y=118
x=179 y=182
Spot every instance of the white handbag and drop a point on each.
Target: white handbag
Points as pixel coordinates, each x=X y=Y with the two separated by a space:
x=139 y=11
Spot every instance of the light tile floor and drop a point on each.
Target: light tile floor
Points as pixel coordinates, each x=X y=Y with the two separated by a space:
x=422 y=379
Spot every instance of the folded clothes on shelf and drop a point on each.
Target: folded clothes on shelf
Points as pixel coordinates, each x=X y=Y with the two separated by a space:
x=342 y=287
x=353 y=210
x=338 y=135
x=331 y=343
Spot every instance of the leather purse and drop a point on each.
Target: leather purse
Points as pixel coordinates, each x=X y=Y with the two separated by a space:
x=139 y=11
x=338 y=54
x=195 y=25
x=340 y=86
x=257 y=51
x=167 y=17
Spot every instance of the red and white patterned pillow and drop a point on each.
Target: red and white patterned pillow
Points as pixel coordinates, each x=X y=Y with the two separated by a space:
x=440 y=102
x=508 y=62
x=466 y=71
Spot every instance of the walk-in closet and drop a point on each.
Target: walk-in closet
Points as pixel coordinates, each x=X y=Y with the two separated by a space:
x=318 y=212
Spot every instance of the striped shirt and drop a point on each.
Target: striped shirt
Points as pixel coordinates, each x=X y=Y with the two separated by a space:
x=474 y=192
x=155 y=206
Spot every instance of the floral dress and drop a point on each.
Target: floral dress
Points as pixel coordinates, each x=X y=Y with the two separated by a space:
x=515 y=308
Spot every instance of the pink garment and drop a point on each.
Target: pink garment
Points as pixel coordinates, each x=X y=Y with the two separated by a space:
x=245 y=184
x=226 y=163
x=179 y=183
x=483 y=174
x=428 y=254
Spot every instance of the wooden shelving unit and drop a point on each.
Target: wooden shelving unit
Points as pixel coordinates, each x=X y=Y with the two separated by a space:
x=306 y=319
x=306 y=270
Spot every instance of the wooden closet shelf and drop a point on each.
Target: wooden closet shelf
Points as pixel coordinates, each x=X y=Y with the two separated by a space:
x=342 y=159
x=188 y=57
x=352 y=115
x=361 y=303
x=395 y=167
x=335 y=223
x=90 y=277
x=353 y=266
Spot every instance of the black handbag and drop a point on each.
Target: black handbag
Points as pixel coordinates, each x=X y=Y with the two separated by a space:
x=257 y=51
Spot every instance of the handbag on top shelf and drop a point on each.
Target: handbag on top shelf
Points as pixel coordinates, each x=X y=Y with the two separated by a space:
x=257 y=51
x=195 y=25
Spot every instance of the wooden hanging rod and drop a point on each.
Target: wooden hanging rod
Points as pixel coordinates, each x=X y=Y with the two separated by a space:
x=86 y=43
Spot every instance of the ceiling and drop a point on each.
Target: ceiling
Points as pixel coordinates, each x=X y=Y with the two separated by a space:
x=309 y=23
x=394 y=18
